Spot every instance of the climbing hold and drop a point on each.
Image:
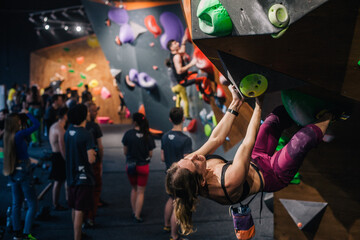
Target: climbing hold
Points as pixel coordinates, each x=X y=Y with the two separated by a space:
x=90 y=67
x=133 y=75
x=152 y=44
x=117 y=40
x=93 y=83
x=155 y=67
x=96 y=90
x=80 y=60
x=253 y=85
x=105 y=93
x=152 y=26
x=80 y=84
x=145 y=81
x=279 y=34
x=192 y=126
x=207 y=130
x=173 y=28
x=278 y=16
x=213 y=18
x=83 y=76
x=118 y=15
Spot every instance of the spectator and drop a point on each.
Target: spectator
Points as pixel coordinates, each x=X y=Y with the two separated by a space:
x=15 y=105
x=96 y=132
x=46 y=97
x=51 y=115
x=86 y=96
x=11 y=93
x=34 y=104
x=138 y=146
x=58 y=170
x=80 y=154
x=17 y=166
x=175 y=145
x=73 y=100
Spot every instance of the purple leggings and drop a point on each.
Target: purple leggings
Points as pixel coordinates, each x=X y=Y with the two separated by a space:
x=279 y=168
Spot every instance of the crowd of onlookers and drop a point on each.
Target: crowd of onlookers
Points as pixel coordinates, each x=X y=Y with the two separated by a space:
x=42 y=105
x=69 y=123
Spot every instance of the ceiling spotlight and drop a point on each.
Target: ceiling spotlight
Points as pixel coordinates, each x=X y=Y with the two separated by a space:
x=78 y=28
x=45 y=19
x=47 y=27
x=66 y=27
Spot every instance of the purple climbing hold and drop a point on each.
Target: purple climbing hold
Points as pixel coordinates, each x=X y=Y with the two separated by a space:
x=118 y=15
x=173 y=28
x=145 y=81
x=126 y=34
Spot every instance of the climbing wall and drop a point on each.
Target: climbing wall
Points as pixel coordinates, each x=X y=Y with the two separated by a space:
x=78 y=62
x=313 y=47
x=133 y=37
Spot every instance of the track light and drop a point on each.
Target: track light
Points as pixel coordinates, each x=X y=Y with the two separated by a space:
x=31 y=19
x=78 y=28
x=45 y=19
x=47 y=27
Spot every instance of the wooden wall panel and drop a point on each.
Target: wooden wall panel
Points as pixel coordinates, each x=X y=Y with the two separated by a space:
x=45 y=63
x=330 y=174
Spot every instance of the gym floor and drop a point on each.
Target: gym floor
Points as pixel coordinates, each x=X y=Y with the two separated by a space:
x=115 y=221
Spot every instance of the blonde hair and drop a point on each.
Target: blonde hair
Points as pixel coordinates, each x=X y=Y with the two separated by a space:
x=184 y=186
x=11 y=127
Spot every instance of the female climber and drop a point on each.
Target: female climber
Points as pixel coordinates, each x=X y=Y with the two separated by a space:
x=255 y=163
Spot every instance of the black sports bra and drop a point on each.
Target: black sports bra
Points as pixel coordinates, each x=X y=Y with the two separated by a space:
x=246 y=186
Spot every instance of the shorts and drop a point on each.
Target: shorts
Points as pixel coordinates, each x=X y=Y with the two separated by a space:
x=58 y=169
x=81 y=197
x=141 y=176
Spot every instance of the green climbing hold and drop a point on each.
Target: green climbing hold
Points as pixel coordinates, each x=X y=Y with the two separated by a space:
x=359 y=63
x=282 y=142
x=80 y=84
x=296 y=179
x=66 y=49
x=207 y=130
x=214 y=20
x=301 y=107
x=279 y=34
x=71 y=71
x=69 y=64
x=253 y=85
x=83 y=76
x=213 y=118
x=278 y=16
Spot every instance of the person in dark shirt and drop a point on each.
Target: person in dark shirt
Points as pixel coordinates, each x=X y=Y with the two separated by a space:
x=17 y=166
x=138 y=146
x=86 y=95
x=175 y=145
x=80 y=153
x=96 y=132
x=51 y=114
